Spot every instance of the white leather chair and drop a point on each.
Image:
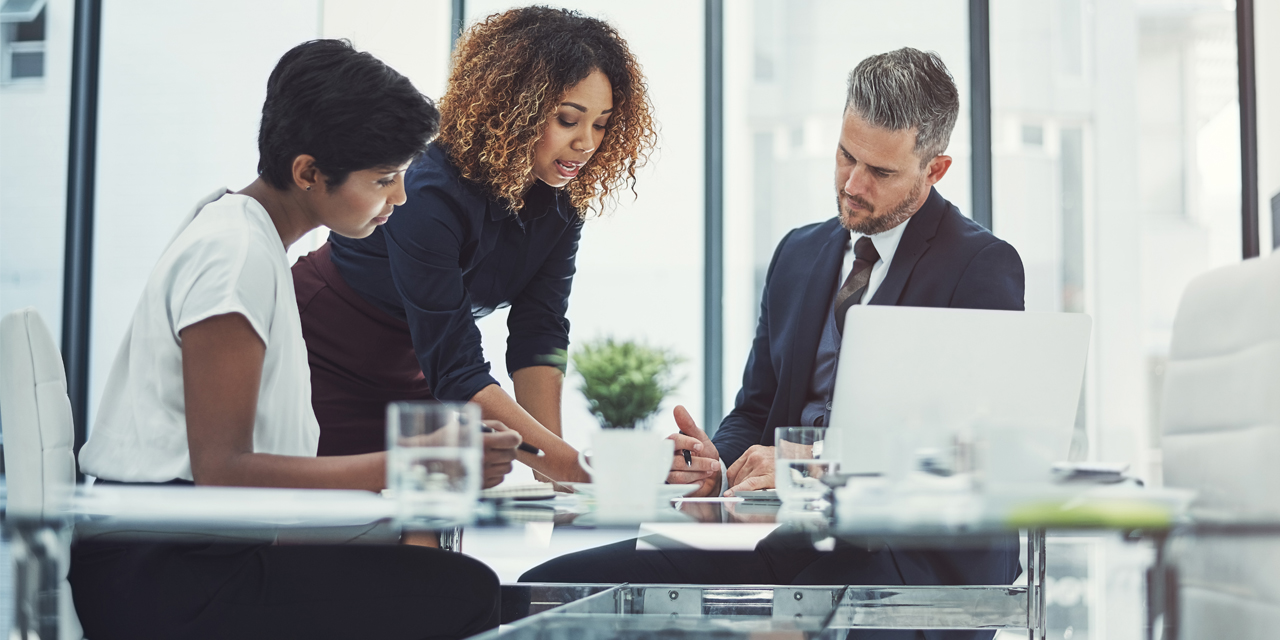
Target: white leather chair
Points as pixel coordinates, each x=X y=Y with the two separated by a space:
x=39 y=459
x=1221 y=437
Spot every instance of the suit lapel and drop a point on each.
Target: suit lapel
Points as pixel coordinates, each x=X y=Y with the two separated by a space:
x=820 y=286
x=915 y=241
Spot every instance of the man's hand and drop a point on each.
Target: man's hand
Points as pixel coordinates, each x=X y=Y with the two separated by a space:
x=753 y=471
x=703 y=467
x=499 y=451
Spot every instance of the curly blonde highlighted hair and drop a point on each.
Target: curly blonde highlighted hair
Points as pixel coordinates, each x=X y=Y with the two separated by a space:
x=509 y=73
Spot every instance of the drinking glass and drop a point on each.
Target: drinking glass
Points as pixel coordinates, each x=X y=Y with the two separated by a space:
x=800 y=466
x=433 y=462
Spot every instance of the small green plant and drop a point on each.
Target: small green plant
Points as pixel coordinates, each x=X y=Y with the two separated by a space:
x=624 y=381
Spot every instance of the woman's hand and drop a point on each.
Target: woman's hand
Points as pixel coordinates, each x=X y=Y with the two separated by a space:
x=499 y=451
x=559 y=461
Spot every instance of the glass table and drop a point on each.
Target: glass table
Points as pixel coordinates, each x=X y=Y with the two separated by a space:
x=612 y=610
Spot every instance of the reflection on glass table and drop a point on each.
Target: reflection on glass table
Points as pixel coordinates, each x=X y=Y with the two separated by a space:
x=652 y=610
x=310 y=516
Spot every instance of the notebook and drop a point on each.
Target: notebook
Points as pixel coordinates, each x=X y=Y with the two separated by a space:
x=520 y=491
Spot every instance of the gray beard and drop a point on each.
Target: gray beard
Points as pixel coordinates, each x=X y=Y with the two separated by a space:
x=884 y=222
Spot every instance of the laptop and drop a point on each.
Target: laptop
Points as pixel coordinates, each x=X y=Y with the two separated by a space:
x=917 y=382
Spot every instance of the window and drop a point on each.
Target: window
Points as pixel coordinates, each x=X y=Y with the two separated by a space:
x=786 y=65
x=1117 y=177
x=22 y=45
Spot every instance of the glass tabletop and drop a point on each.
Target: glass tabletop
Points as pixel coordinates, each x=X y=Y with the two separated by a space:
x=308 y=516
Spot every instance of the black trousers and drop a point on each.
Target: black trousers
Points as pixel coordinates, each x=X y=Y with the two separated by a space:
x=788 y=558
x=138 y=591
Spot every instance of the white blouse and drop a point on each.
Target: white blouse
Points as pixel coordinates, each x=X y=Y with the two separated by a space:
x=226 y=258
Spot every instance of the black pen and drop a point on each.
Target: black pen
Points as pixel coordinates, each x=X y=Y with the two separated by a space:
x=524 y=446
x=688 y=457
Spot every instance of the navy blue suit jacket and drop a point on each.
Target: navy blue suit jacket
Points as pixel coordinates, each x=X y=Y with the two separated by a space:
x=943 y=260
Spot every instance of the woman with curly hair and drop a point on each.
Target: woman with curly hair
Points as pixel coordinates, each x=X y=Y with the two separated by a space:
x=546 y=117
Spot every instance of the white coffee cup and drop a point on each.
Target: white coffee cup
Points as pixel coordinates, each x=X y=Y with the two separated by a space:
x=627 y=467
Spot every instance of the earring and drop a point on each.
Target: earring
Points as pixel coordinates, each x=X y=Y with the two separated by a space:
x=308 y=188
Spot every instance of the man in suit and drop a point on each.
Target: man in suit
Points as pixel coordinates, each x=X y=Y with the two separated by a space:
x=895 y=241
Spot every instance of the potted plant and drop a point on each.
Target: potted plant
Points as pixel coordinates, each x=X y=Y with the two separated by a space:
x=624 y=381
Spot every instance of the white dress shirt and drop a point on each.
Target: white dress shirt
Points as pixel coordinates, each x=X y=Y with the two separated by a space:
x=886 y=243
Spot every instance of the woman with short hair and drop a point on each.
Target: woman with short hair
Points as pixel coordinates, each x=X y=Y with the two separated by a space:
x=546 y=117
x=211 y=387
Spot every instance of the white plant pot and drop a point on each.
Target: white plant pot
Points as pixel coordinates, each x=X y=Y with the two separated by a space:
x=627 y=468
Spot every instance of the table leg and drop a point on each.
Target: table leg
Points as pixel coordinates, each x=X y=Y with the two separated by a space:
x=451 y=539
x=1162 y=594
x=37 y=551
x=1036 y=623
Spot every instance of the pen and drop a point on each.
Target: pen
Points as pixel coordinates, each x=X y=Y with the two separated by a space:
x=524 y=446
x=688 y=457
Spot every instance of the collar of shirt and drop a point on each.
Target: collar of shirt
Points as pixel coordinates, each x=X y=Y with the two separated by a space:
x=539 y=200
x=886 y=243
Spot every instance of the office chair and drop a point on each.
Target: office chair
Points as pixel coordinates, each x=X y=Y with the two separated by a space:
x=39 y=460
x=1220 y=418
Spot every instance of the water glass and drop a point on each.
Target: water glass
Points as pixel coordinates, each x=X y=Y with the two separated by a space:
x=800 y=466
x=434 y=452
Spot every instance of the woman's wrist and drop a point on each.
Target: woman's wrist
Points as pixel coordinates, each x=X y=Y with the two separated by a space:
x=559 y=460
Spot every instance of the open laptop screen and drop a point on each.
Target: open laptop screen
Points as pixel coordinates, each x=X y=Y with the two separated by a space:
x=913 y=380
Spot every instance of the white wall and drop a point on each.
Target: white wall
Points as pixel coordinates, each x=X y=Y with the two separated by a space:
x=181 y=95
x=410 y=35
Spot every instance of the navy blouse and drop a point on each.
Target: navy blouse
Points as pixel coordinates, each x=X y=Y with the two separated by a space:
x=451 y=254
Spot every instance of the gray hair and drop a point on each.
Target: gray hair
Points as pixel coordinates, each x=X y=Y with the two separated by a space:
x=905 y=89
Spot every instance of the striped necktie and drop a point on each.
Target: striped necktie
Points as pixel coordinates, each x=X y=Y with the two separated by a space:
x=850 y=293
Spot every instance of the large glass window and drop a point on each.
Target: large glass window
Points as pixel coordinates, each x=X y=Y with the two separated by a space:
x=1115 y=147
x=1117 y=176
x=786 y=67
